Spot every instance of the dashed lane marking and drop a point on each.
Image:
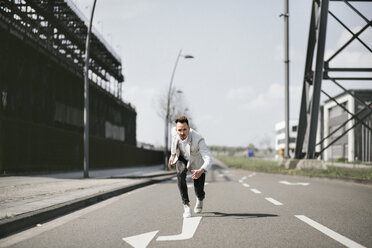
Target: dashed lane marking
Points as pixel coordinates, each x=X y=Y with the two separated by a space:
x=246 y=185
x=332 y=234
x=256 y=191
x=273 y=201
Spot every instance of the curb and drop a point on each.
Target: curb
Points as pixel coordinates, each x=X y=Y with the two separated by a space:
x=141 y=177
x=27 y=220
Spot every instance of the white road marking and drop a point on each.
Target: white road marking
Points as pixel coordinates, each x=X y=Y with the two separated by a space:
x=246 y=185
x=273 y=201
x=188 y=229
x=141 y=240
x=332 y=234
x=256 y=191
x=251 y=175
x=288 y=183
x=243 y=178
x=240 y=181
x=206 y=184
x=221 y=175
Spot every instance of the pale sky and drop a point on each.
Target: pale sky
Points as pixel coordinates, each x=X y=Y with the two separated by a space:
x=234 y=87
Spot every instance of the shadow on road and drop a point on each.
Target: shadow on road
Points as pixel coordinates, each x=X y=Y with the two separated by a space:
x=239 y=215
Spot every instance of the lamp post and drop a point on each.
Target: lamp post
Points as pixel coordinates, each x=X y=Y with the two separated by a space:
x=286 y=75
x=86 y=96
x=168 y=106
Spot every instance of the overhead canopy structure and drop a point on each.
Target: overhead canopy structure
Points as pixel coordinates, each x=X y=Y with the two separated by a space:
x=60 y=28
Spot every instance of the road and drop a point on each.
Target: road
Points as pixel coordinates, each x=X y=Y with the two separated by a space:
x=242 y=209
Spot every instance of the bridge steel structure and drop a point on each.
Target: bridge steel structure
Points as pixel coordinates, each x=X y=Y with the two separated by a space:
x=319 y=68
x=42 y=51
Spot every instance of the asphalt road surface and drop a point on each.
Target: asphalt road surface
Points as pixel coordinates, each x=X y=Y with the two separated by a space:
x=241 y=209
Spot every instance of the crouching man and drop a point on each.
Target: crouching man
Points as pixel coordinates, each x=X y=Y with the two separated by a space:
x=189 y=153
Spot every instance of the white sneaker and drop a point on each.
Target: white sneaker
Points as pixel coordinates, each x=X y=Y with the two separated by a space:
x=198 y=206
x=187 y=213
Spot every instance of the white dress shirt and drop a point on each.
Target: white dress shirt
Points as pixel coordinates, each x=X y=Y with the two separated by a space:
x=182 y=146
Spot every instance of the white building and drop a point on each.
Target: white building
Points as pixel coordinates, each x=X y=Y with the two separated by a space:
x=280 y=138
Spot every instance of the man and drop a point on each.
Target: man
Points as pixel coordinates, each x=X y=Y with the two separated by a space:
x=189 y=153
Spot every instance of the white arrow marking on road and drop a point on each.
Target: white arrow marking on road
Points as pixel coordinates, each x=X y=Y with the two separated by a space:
x=288 y=183
x=188 y=229
x=141 y=240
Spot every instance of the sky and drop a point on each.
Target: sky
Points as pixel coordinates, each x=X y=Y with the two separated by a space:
x=234 y=86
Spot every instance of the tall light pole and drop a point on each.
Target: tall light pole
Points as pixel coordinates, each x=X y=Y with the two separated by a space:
x=86 y=96
x=168 y=106
x=286 y=73
x=286 y=61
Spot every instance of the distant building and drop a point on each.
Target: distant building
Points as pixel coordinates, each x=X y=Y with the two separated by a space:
x=144 y=145
x=357 y=143
x=280 y=138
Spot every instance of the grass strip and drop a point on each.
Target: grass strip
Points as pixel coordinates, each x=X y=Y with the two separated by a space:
x=260 y=165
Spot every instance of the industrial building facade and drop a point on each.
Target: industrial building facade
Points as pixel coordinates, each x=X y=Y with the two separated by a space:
x=355 y=145
x=42 y=50
x=354 y=135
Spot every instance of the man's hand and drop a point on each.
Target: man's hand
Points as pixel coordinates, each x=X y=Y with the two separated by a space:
x=171 y=159
x=197 y=173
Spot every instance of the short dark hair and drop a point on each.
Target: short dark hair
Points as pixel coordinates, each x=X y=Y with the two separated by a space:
x=182 y=119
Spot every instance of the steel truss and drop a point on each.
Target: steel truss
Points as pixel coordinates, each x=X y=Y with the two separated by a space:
x=59 y=28
x=309 y=110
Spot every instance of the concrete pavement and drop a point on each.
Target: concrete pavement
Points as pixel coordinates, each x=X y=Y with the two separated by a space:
x=241 y=209
x=26 y=201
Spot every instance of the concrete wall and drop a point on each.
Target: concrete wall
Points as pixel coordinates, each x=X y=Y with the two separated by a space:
x=30 y=147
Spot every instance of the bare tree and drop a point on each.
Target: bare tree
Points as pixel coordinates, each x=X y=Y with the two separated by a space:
x=178 y=106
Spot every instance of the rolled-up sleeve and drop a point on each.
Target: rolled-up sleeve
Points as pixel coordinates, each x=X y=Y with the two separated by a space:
x=174 y=141
x=206 y=155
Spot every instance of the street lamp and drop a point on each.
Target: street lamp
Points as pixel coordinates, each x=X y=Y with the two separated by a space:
x=86 y=95
x=168 y=106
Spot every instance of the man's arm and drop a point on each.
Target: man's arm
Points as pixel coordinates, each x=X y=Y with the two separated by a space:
x=207 y=157
x=173 y=147
x=174 y=141
x=171 y=159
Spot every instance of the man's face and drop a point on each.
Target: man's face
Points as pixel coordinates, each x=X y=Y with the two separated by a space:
x=182 y=130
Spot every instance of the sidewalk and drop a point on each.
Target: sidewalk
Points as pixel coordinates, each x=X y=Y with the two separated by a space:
x=28 y=200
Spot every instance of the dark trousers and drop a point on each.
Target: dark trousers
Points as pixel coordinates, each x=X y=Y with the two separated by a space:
x=182 y=186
